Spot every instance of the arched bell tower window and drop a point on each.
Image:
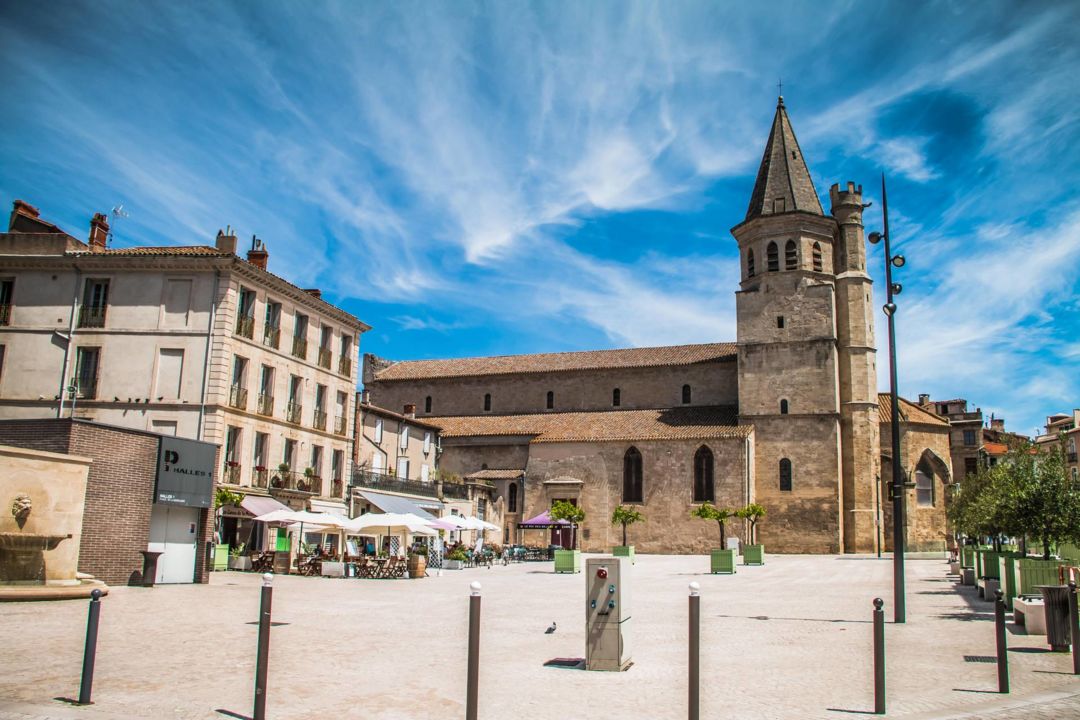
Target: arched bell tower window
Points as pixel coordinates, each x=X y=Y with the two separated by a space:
x=785 y=475
x=817 y=257
x=703 y=475
x=783 y=407
x=632 y=478
x=750 y=263
x=772 y=257
x=685 y=394
x=791 y=256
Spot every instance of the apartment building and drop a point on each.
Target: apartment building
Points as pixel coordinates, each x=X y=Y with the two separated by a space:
x=191 y=341
x=1064 y=428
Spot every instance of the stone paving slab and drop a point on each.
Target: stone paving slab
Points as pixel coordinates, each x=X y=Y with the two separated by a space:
x=791 y=639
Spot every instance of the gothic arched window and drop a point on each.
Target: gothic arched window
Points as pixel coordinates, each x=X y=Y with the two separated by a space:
x=632 y=479
x=427 y=404
x=616 y=397
x=487 y=402
x=785 y=475
x=924 y=484
x=550 y=399
x=685 y=394
x=511 y=498
x=817 y=257
x=772 y=257
x=750 y=263
x=791 y=256
x=783 y=407
x=703 y=475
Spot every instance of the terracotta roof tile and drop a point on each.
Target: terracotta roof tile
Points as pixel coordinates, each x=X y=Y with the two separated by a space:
x=187 y=250
x=558 y=362
x=383 y=412
x=607 y=426
x=909 y=412
x=495 y=474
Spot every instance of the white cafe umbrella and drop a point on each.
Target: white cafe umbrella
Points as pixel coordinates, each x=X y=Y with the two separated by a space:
x=394 y=523
x=475 y=523
x=323 y=520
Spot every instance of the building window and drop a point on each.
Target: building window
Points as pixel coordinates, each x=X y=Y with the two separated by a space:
x=316 y=460
x=427 y=441
x=95 y=300
x=632 y=477
x=319 y=419
x=178 y=304
x=326 y=353
x=2 y=350
x=550 y=400
x=299 y=343
x=425 y=473
x=703 y=475
x=685 y=394
x=288 y=456
x=616 y=397
x=785 y=475
x=481 y=508
x=232 y=455
x=272 y=325
x=337 y=460
x=772 y=257
x=816 y=255
x=295 y=408
x=1075 y=478
x=969 y=437
x=170 y=371
x=750 y=263
x=403 y=468
x=403 y=437
x=780 y=321
x=378 y=430
x=971 y=466
x=791 y=256
x=783 y=407
x=7 y=290
x=487 y=402
x=511 y=497
x=427 y=404
x=924 y=486
x=245 y=313
x=86 y=372
x=238 y=390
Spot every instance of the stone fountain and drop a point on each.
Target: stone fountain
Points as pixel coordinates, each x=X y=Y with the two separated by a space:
x=22 y=555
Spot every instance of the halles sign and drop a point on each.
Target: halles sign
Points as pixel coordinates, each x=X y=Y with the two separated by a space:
x=185 y=472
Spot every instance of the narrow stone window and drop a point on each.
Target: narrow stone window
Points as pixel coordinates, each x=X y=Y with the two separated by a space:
x=780 y=321
x=487 y=402
x=817 y=257
x=772 y=257
x=924 y=484
x=750 y=263
x=791 y=256
x=632 y=477
x=616 y=397
x=703 y=475
x=685 y=394
x=550 y=399
x=785 y=475
x=783 y=407
x=427 y=404
x=511 y=498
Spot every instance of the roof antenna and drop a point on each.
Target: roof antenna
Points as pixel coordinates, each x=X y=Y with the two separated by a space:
x=117 y=213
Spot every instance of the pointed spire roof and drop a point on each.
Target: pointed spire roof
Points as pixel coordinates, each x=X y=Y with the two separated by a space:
x=783 y=180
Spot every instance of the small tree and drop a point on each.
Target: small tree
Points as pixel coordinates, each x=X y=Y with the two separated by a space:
x=223 y=497
x=625 y=516
x=708 y=511
x=568 y=511
x=752 y=513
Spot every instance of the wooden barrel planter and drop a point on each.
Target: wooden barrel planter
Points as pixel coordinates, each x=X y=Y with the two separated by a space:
x=417 y=565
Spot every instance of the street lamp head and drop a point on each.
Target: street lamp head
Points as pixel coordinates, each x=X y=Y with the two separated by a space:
x=889 y=308
x=874 y=237
x=897 y=288
x=898 y=261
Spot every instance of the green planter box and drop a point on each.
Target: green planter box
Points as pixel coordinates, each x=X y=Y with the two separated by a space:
x=221 y=557
x=1032 y=573
x=1008 y=577
x=722 y=561
x=567 y=561
x=990 y=565
x=967 y=556
x=626 y=551
x=753 y=554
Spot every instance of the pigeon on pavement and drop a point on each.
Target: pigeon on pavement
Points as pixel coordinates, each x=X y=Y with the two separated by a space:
x=550 y=629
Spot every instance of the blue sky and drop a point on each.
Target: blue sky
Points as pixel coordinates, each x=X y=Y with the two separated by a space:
x=519 y=177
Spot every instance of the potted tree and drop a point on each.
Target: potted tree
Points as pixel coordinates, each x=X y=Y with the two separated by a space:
x=455 y=559
x=568 y=561
x=238 y=560
x=753 y=554
x=223 y=497
x=721 y=560
x=625 y=516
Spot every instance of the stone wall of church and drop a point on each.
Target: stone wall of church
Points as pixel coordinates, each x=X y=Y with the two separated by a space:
x=927 y=526
x=668 y=478
x=462 y=456
x=712 y=383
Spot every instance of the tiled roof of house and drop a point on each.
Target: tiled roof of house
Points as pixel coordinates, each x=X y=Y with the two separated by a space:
x=909 y=412
x=993 y=448
x=171 y=250
x=495 y=474
x=556 y=362
x=383 y=412
x=607 y=426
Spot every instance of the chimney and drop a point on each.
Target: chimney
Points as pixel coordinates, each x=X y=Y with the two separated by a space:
x=257 y=255
x=21 y=207
x=226 y=241
x=365 y=397
x=924 y=399
x=997 y=424
x=314 y=292
x=410 y=411
x=99 y=232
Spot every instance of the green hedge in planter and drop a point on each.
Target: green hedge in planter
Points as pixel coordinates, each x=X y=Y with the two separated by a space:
x=626 y=551
x=722 y=561
x=753 y=554
x=567 y=561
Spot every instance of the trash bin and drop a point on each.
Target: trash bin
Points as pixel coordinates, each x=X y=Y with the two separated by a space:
x=149 y=567
x=1056 y=601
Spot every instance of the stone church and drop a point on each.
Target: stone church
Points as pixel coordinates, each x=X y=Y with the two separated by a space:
x=787 y=416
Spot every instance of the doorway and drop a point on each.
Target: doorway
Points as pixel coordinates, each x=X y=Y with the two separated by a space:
x=173 y=533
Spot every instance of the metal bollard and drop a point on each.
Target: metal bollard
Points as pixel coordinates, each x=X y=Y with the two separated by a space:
x=1074 y=628
x=1002 y=650
x=259 y=713
x=879 y=657
x=474 y=651
x=90 y=651
x=695 y=651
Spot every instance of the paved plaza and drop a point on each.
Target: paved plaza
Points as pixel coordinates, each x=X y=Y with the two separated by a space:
x=791 y=639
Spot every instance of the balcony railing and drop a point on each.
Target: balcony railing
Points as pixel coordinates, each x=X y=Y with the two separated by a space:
x=245 y=326
x=344 y=366
x=5 y=314
x=455 y=491
x=231 y=474
x=260 y=478
x=293 y=412
x=299 y=348
x=319 y=421
x=325 y=356
x=266 y=405
x=289 y=480
x=340 y=425
x=376 y=481
x=238 y=397
x=271 y=336
x=91 y=316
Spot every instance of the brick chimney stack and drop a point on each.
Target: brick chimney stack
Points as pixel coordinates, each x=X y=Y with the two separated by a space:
x=257 y=255
x=99 y=232
x=314 y=292
x=924 y=400
x=226 y=240
x=997 y=424
x=410 y=411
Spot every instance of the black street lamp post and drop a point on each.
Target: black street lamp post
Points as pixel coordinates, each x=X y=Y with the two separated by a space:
x=898 y=487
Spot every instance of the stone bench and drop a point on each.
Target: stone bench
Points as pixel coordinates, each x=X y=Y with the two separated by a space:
x=988 y=586
x=1031 y=613
x=967 y=576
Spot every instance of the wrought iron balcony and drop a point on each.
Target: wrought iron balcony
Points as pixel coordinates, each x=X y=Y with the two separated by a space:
x=319 y=421
x=238 y=397
x=289 y=480
x=299 y=348
x=325 y=357
x=245 y=326
x=340 y=425
x=455 y=491
x=5 y=314
x=266 y=405
x=344 y=366
x=271 y=336
x=231 y=473
x=293 y=411
x=92 y=316
x=260 y=478
x=377 y=481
